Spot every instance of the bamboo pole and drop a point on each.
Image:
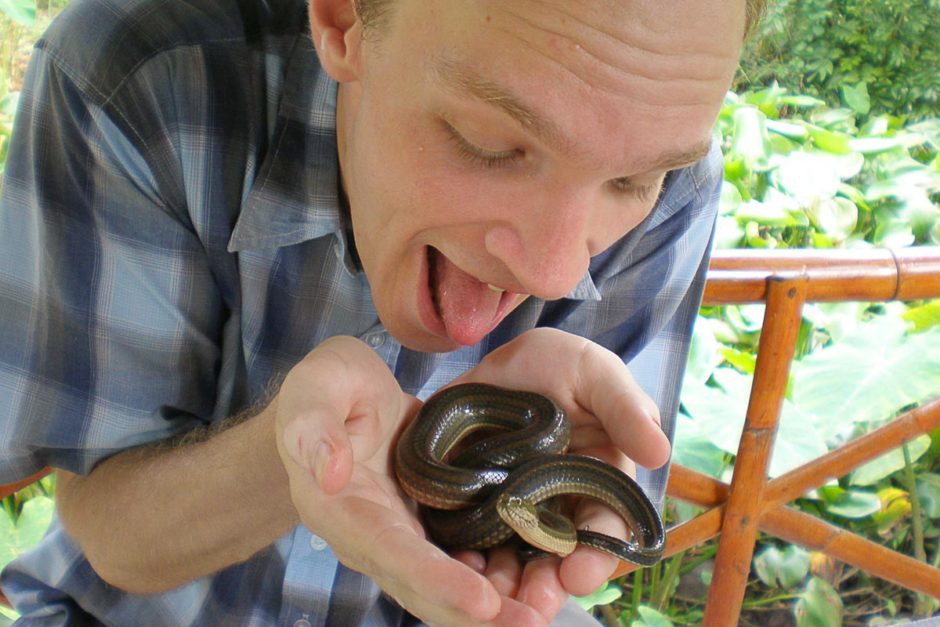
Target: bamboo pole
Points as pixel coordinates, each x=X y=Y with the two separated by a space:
x=800 y=528
x=852 y=454
x=785 y=297
x=879 y=274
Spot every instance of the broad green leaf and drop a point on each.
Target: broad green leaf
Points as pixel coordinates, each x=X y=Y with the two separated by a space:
x=22 y=11
x=837 y=217
x=696 y=452
x=856 y=96
x=787 y=129
x=16 y=538
x=829 y=141
x=849 y=503
x=719 y=412
x=928 y=491
x=867 y=376
x=811 y=176
x=703 y=352
x=750 y=137
x=605 y=595
x=875 y=145
x=728 y=233
x=730 y=199
x=889 y=463
x=742 y=360
x=764 y=213
x=650 y=618
x=819 y=605
x=782 y=568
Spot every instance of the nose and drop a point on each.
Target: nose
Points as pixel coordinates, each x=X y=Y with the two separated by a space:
x=546 y=244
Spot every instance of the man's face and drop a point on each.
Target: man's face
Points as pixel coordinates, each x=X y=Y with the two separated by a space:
x=489 y=149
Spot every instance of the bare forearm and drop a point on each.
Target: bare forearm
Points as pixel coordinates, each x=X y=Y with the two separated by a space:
x=152 y=519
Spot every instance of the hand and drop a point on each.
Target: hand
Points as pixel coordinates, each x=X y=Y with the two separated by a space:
x=338 y=413
x=612 y=419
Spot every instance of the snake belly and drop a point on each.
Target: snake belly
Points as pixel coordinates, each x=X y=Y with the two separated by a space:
x=482 y=496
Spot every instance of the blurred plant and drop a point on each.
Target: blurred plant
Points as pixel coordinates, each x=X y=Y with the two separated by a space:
x=880 y=55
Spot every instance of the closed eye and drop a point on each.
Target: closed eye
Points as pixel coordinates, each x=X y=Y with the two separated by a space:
x=481 y=156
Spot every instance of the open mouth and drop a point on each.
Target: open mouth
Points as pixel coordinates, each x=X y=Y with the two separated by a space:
x=464 y=308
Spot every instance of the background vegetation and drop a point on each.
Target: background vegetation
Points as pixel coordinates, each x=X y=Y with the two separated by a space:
x=831 y=137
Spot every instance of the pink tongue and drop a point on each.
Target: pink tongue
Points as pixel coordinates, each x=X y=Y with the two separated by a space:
x=468 y=306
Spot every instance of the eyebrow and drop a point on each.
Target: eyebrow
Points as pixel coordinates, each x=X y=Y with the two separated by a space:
x=466 y=81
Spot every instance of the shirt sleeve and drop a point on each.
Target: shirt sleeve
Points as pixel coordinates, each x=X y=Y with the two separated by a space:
x=109 y=316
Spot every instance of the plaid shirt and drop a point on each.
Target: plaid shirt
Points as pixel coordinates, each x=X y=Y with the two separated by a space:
x=171 y=242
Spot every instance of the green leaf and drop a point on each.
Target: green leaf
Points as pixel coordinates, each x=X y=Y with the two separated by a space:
x=782 y=569
x=829 y=141
x=868 y=376
x=718 y=414
x=928 y=491
x=605 y=595
x=924 y=316
x=22 y=11
x=875 y=145
x=849 y=503
x=788 y=129
x=650 y=618
x=837 y=217
x=856 y=96
x=819 y=605
x=17 y=538
x=889 y=463
x=750 y=137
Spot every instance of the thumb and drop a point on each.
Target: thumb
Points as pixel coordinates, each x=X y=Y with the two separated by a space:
x=317 y=442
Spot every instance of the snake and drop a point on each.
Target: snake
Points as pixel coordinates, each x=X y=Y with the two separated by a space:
x=487 y=463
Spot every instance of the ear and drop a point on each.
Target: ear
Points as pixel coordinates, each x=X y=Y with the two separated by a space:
x=337 y=36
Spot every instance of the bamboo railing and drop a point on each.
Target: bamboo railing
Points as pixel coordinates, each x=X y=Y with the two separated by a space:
x=785 y=280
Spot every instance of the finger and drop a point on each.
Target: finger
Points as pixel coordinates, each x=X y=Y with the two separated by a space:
x=541 y=588
x=607 y=390
x=472 y=559
x=429 y=583
x=515 y=614
x=317 y=442
x=504 y=570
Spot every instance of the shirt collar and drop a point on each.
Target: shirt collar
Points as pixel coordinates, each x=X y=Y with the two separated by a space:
x=295 y=196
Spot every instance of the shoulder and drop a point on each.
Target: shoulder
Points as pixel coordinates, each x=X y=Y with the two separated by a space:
x=99 y=43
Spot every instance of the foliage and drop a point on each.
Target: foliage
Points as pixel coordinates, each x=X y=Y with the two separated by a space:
x=887 y=52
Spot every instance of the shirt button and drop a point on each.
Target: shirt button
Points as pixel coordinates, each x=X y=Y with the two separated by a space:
x=303 y=622
x=317 y=544
x=376 y=339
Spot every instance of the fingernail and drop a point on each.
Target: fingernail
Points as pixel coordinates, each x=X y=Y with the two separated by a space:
x=320 y=459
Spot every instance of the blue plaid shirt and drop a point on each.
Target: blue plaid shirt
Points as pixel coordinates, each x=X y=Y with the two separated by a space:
x=172 y=242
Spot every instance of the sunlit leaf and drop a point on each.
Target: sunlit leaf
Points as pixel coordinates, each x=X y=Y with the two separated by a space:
x=650 y=618
x=874 y=371
x=782 y=568
x=836 y=217
x=889 y=463
x=849 y=503
x=856 y=96
x=750 y=137
x=819 y=605
x=605 y=595
x=829 y=141
x=22 y=11
x=16 y=538
x=928 y=491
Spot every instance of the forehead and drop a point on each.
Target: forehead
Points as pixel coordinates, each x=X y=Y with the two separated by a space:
x=590 y=68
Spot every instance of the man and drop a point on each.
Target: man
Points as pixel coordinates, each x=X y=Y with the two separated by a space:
x=206 y=205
